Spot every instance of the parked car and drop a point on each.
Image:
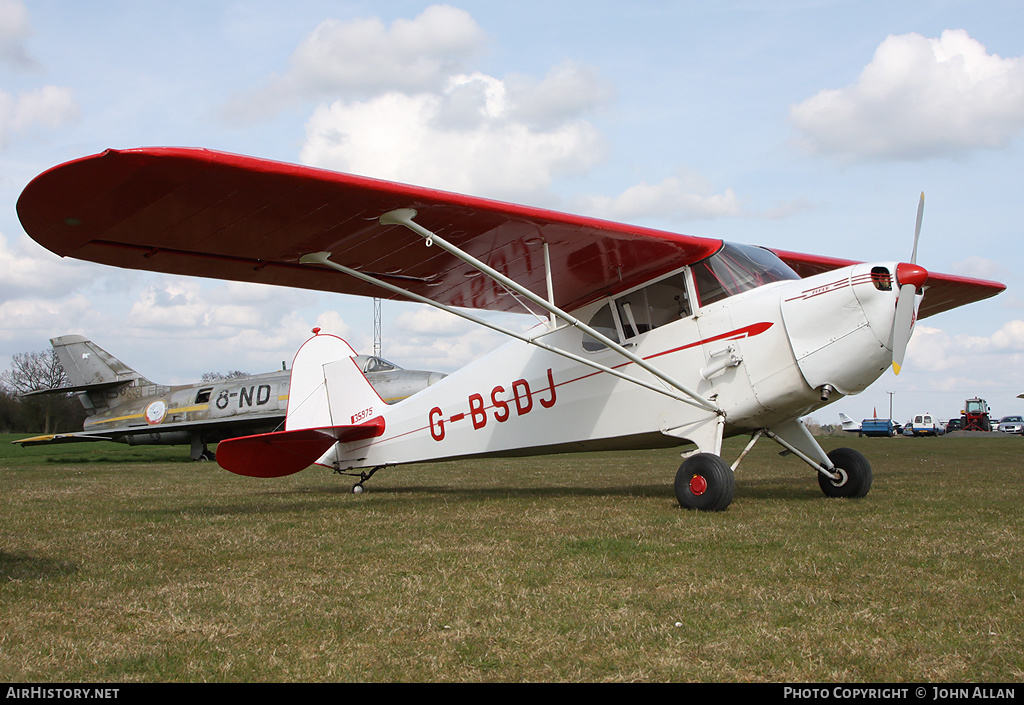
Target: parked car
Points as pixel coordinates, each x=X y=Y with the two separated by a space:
x=954 y=425
x=1011 y=424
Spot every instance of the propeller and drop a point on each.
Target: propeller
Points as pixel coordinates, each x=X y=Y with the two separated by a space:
x=910 y=278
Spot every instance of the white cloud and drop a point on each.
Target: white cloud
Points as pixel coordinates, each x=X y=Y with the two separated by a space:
x=37 y=318
x=427 y=338
x=14 y=32
x=403 y=107
x=1009 y=338
x=981 y=268
x=49 y=106
x=233 y=325
x=331 y=322
x=466 y=138
x=362 y=57
x=426 y=320
x=401 y=102
x=185 y=307
x=567 y=91
x=679 y=197
x=918 y=98
x=172 y=306
x=935 y=350
x=29 y=270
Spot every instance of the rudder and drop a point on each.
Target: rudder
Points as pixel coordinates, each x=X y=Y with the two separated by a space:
x=329 y=402
x=327 y=387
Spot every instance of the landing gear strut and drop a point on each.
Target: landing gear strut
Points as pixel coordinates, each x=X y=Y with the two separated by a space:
x=199 y=451
x=842 y=472
x=363 y=477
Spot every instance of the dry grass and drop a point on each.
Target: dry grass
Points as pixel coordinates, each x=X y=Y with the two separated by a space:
x=565 y=568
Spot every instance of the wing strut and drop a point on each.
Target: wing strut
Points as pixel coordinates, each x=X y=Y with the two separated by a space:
x=323 y=258
x=551 y=286
x=404 y=216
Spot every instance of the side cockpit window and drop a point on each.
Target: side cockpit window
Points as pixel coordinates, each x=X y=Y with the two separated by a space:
x=633 y=314
x=603 y=323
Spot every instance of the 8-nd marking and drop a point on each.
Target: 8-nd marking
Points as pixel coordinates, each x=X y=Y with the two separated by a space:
x=521 y=401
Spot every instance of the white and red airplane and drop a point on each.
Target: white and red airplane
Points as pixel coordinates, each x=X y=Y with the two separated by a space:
x=644 y=339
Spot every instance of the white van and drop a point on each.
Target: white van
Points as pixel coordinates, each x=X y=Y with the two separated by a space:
x=926 y=425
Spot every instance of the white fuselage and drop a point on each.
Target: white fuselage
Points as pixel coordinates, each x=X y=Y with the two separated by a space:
x=770 y=355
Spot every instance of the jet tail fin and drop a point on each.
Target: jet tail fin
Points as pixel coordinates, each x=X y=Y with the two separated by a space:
x=87 y=363
x=91 y=371
x=329 y=401
x=848 y=423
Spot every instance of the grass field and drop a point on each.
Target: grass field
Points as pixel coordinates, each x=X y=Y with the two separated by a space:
x=125 y=565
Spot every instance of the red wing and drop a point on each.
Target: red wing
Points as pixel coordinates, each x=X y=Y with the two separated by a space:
x=210 y=214
x=942 y=291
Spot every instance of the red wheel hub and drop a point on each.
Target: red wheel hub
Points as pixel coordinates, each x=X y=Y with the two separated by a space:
x=698 y=485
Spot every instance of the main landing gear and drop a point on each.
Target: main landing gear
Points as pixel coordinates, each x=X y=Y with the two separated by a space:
x=852 y=476
x=706 y=482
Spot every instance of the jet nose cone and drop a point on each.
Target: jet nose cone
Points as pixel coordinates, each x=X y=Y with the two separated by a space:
x=907 y=273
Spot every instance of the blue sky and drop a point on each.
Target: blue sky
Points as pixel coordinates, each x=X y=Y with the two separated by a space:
x=811 y=126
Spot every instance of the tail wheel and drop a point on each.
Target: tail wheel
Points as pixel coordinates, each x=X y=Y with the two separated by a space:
x=854 y=474
x=705 y=482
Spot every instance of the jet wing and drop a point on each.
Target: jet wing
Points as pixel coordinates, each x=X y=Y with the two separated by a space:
x=942 y=291
x=59 y=438
x=210 y=214
x=212 y=429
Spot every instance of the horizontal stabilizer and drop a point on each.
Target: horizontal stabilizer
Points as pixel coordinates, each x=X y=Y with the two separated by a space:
x=287 y=452
x=98 y=387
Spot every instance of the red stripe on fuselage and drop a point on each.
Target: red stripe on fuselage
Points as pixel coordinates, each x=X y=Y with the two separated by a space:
x=750 y=331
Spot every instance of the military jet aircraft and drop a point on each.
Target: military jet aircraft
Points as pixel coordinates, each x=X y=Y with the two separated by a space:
x=124 y=406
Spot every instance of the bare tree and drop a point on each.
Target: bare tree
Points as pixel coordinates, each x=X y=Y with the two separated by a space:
x=222 y=376
x=33 y=371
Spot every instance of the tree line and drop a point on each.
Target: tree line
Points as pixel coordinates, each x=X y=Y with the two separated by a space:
x=44 y=413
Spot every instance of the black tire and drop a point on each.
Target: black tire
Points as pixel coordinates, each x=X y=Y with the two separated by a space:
x=855 y=471
x=705 y=482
